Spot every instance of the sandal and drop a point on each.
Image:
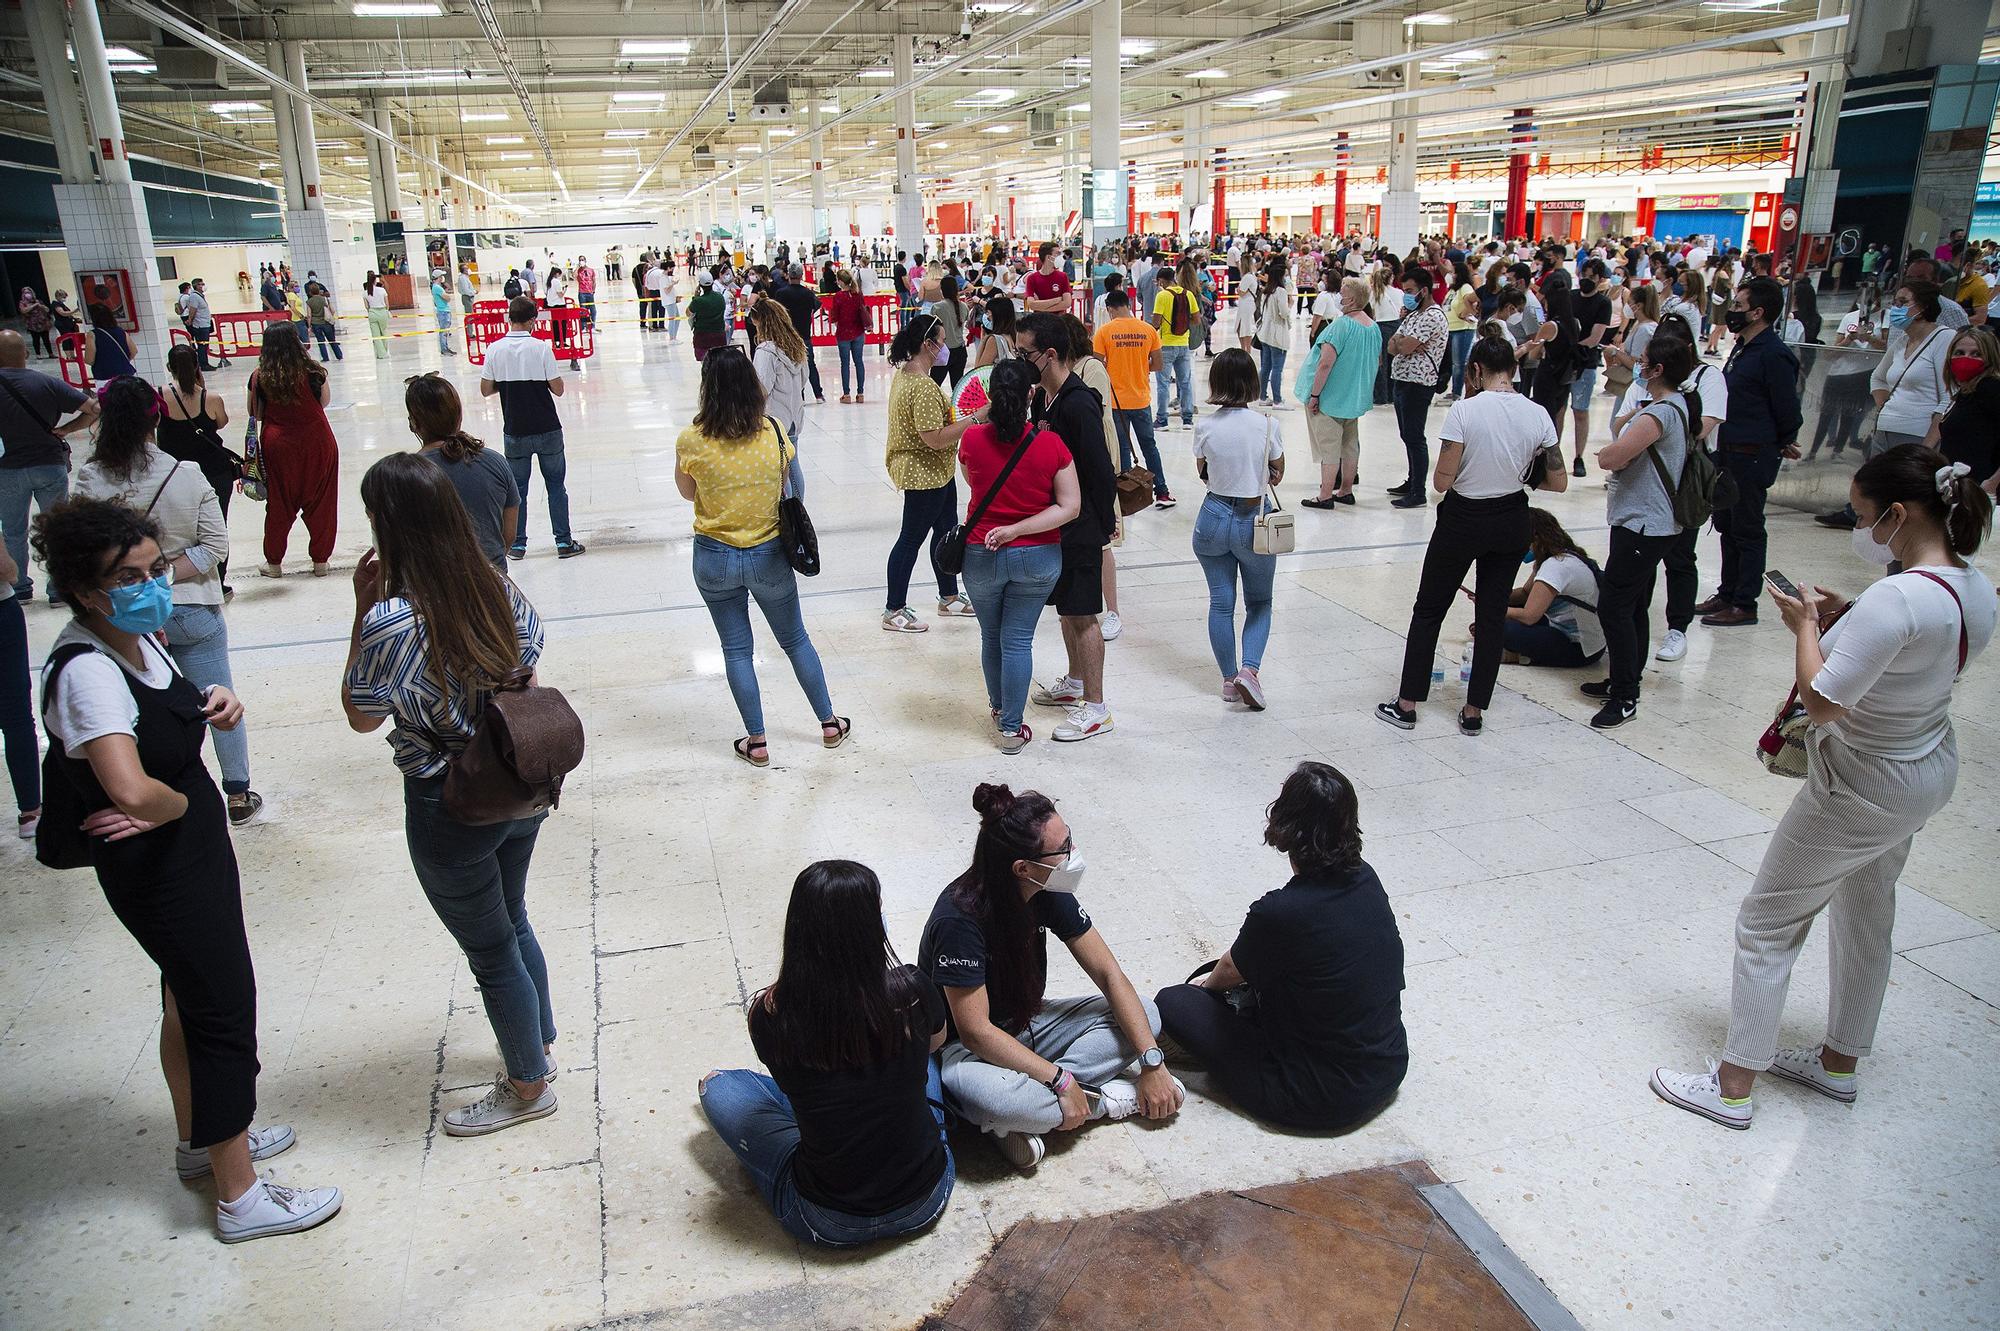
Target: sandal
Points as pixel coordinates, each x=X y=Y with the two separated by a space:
x=748 y=750
x=840 y=727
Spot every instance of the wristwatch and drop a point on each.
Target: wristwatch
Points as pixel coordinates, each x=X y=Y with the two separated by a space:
x=1152 y=1058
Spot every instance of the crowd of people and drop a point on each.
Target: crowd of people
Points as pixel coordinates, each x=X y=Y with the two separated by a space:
x=1298 y=1023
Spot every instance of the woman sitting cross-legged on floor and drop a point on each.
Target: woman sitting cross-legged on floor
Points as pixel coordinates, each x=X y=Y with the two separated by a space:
x=845 y=1138
x=1552 y=617
x=1018 y=1064
x=1300 y=1022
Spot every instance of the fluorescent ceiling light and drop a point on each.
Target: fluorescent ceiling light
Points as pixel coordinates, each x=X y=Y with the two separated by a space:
x=626 y=133
x=630 y=97
x=146 y=67
x=941 y=143
x=122 y=55
x=999 y=129
x=229 y=108
x=517 y=157
x=398 y=9
x=1207 y=74
x=492 y=139
x=1136 y=46
x=1258 y=98
x=829 y=108
x=1427 y=20
x=988 y=97
x=926 y=124
x=640 y=50
x=877 y=74
x=1463 y=57
x=476 y=117
x=783 y=133
x=1137 y=124
x=355 y=161
x=1077 y=106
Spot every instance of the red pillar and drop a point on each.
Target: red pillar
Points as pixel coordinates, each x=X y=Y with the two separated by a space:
x=1010 y=217
x=1219 y=218
x=1647 y=211
x=1451 y=219
x=1517 y=177
x=1319 y=210
x=1131 y=202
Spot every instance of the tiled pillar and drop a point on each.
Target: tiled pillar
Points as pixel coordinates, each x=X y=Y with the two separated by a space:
x=104 y=225
x=310 y=239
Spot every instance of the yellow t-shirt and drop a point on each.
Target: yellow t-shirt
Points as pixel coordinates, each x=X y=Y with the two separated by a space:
x=1127 y=345
x=736 y=484
x=1163 y=308
x=1973 y=291
x=916 y=403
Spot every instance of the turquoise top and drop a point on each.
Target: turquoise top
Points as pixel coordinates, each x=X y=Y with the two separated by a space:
x=1357 y=348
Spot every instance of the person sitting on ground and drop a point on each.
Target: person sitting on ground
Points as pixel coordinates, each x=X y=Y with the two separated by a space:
x=1300 y=1022
x=1552 y=617
x=845 y=1139
x=1009 y=1045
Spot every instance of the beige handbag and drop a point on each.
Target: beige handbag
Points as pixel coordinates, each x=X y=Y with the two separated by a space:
x=1274 y=535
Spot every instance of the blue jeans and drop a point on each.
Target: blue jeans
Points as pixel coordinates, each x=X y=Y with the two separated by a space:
x=1009 y=587
x=1225 y=543
x=1271 y=371
x=1176 y=378
x=198 y=640
x=1413 y=409
x=476 y=879
x=1461 y=346
x=17 y=707
x=727 y=578
x=444 y=330
x=523 y=452
x=755 y=1120
x=852 y=350
x=47 y=485
x=1139 y=421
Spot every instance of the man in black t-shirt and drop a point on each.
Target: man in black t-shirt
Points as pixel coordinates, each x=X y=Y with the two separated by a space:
x=1593 y=322
x=1075 y=412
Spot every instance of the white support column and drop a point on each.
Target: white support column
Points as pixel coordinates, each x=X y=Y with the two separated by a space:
x=1107 y=218
x=909 y=221
x=392 y=194
x=106 y=125
x=1401 y=213
x=308 y=233
x=306 y=143
x=1194 y=168
x=822 y=224
x=48 y=34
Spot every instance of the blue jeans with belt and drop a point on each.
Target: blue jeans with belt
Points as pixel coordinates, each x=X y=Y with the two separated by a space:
x=727 y=577
x=1009 y=588
x=755 y=1120
x=1225 y=541
x=198 y=640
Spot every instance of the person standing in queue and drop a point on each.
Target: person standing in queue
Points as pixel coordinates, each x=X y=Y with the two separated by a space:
x=521 y=371
x=1416 y=350
x=922 y=450
x=1762 y=430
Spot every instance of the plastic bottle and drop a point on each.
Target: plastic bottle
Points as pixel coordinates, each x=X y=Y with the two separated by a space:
x=1465 y=666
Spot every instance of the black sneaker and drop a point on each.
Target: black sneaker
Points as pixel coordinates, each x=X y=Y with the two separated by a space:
x=1402 y=489
x=1613 y=714
x=569 y=551
x=1841 y=519
x=1408 y=501
x=1469 y=725
x=517 y=552
x=1576 y=468
x=1596 y=688
x=1396 y=716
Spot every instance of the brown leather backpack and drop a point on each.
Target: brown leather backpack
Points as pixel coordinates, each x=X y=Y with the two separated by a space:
x=527 y=740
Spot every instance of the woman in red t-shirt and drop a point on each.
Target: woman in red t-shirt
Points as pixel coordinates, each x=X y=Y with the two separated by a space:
x=850 y=333
x=1013 y=550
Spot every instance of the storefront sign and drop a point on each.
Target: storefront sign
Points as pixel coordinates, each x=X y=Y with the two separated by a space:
x=1688 y=203
x=1559 y=205
x=1989 y=192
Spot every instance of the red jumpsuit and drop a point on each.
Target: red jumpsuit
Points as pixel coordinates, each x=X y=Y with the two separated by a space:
x=301 y=471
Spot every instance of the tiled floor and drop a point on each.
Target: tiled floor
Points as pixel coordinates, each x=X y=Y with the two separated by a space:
x=1566 y=898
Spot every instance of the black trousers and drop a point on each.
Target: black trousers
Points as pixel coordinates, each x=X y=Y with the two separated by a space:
x=1625 y=605
x=1744 y=542
x=1490 y=535
x=1683 y=579
x=927 y=515
x=1413 y=409
x=1234 y=1049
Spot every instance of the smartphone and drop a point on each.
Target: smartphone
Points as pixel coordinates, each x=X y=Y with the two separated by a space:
x=1781 y=582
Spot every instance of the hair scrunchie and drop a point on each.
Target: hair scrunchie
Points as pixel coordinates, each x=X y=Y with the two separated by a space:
x=1948 y=473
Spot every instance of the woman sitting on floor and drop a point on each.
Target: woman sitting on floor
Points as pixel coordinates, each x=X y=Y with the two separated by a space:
x=845 y=1139
x=1018 y=1064
x=1552 y=618
x=1300 y=1022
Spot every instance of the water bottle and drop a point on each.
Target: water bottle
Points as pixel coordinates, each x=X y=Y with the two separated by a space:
x=1465 y=666
x=1437 y=673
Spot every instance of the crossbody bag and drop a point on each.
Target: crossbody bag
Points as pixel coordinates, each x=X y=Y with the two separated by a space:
x=949 y=552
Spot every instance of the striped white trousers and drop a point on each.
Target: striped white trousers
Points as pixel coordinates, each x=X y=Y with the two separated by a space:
x=1838 y=849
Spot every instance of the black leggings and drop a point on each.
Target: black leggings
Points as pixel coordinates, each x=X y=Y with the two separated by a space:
x=927 y=515
x=1491 y=535
x=1233 y=1049
x=42 y=346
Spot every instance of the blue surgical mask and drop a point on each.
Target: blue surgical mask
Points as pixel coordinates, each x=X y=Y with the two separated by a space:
x=986 y=322
x=144 y=607
x=1898 y=316
x=1528 y=557
x=1409 y=300
x=1677 y=290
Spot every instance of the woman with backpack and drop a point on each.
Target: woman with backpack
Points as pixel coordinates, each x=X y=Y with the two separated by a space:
x=1552 y=617
x=437 y=628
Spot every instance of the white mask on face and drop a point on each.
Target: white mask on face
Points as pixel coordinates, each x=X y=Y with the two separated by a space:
x=1869 y=548
x=1065 y=876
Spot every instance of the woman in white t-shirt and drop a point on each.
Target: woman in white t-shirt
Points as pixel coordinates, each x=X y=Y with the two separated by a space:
x=1910 y=383
x=1552 y=617
x=1241 y=455
x=1492 y=440
x=375 y=297
x=1881 y=761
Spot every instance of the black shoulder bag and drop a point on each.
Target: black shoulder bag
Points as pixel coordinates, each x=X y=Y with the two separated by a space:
x=795 y=527
x=949 y=552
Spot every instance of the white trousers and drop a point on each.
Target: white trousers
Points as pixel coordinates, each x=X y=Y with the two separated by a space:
x=1838 y=849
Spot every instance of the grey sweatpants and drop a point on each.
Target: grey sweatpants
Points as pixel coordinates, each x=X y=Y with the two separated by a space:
x=1838 y=849
x=1076 y=1033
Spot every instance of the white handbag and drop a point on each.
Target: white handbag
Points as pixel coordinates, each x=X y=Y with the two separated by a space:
x=1274 y=534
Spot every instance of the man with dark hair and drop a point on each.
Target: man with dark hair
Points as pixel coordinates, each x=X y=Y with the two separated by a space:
x=1046 y=290
x=1067 y=406
x=521 y=371
x=1762 y=428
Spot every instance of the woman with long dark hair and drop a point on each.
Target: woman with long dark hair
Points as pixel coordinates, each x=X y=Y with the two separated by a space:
x=127 y=729
x=923 y=445
x=125 y=465
x=190 y=430
x=437 y=629
x=287 y=397
x=1300 y=1022
x=375 y=298
x=1552 y=617
x=483 y=479
x=1875 y=678
x=845 y=1139
x=1019 y=1064
x=997 y=342
x=733 y=463
x=1561 y=359
x=106 y=346
x=950 y=315
x=1013 y=553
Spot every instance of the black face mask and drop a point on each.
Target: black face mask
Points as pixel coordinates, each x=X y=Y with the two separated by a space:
x=1586 y=286
x=1736 y=321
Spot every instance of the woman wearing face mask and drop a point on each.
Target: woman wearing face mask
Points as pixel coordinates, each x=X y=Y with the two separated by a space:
x=1017 y=1063
x=1911 y=383
x=126 y=465
x=998 y=322
x=1687 y=296
x=1881 y=761
x=1274 y=305
x=127 y=729
x=1552 y=618
x=1300 y=1022
x=1968 y=430
x=950 y=314
x=923 y=446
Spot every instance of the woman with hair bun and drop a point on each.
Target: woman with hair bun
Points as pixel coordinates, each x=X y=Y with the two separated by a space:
x=1017 y=1063
x=1300 y=1022
x=1875 y=678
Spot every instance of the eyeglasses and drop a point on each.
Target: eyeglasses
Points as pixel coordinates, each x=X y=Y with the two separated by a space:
x=132 y=577
x=1064 y=850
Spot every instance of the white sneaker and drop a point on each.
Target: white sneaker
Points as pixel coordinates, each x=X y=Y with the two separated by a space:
x=1673 y=647
x=1110 y=625
x=1803 y=1066
x=1701 y=1093
x=1024 y=1150
x=1086 y=721
x=272 y=1208
x=498 y=1110
x=1062 y=692
x=191 y=1164
x=904 y=621
x=1114 y=1100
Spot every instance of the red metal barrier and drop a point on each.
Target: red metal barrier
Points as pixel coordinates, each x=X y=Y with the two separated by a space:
x=69 y=359
x=242 y=333
x=498 y=307
x=178 y=335
x=569 y=334
x=879 y=330
x=482 y=329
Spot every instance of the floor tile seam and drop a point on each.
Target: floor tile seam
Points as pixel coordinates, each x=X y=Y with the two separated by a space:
x=1904 y=952
x=1983 y=1002
x=605 y=955
x=597 y=1081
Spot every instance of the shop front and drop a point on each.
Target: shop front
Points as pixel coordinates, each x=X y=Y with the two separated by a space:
x=1724 y=216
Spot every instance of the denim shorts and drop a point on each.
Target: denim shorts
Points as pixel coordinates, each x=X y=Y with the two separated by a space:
x=1580 y=391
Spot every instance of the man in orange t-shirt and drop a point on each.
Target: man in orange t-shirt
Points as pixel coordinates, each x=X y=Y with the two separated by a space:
x=1131 y=350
